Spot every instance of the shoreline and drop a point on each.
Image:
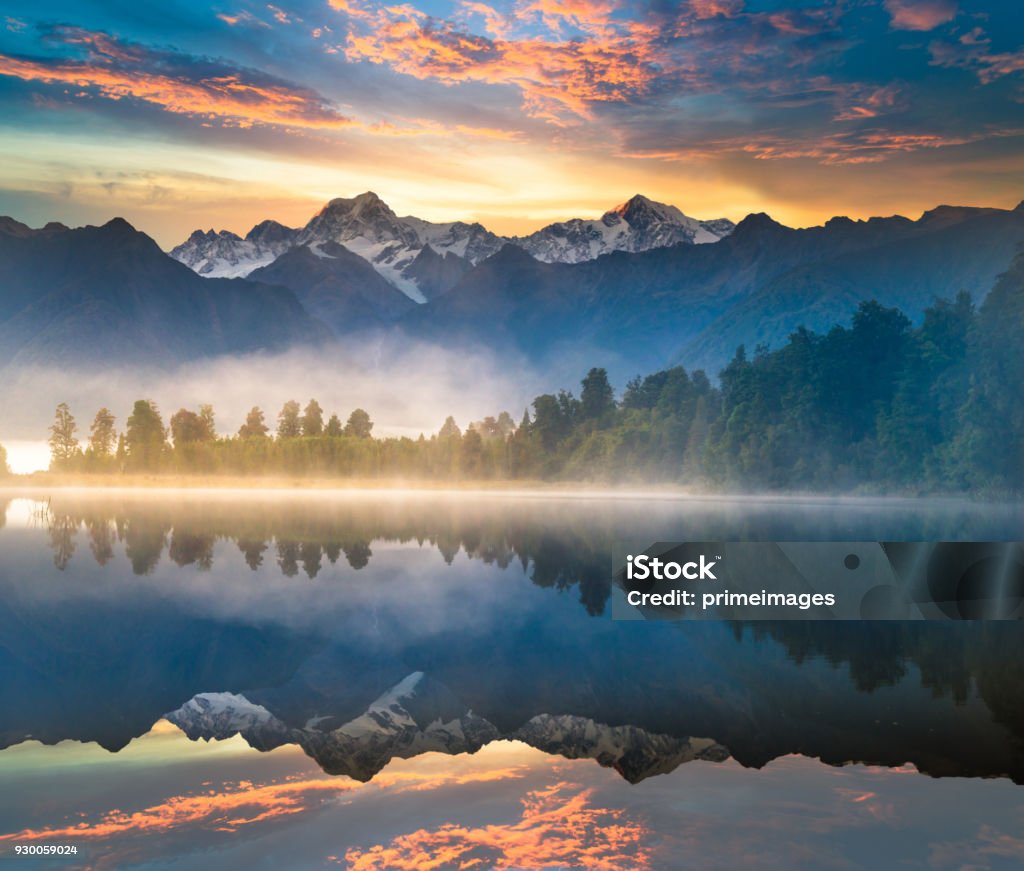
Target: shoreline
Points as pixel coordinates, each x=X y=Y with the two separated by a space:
x=138 y=485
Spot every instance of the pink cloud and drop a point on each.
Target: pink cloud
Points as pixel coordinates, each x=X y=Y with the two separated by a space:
x=920 y=14
x=711 y=8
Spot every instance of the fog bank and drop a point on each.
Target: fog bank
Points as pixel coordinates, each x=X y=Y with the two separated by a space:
x=406 y=387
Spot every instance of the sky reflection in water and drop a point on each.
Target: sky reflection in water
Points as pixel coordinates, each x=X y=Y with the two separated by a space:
x=120 y=610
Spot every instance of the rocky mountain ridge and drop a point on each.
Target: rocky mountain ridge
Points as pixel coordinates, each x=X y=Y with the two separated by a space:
x=393 y=245
x=397 y=725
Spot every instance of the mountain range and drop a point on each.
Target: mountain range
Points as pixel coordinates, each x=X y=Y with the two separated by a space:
x=353 y=705
x=693 y=305
x=409 y=252
x=631 y=291
x=419 y=715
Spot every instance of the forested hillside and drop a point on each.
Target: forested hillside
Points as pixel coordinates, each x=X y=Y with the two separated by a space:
x=877 y=404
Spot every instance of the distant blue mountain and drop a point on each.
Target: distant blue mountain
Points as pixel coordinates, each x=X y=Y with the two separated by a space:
x=109 y=294
x=694 y=304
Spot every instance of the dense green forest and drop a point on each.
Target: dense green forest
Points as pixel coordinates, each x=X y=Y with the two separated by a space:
x=876 y=404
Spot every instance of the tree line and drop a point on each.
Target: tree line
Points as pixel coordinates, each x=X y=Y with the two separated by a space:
x=878 y=403
x=299 y=539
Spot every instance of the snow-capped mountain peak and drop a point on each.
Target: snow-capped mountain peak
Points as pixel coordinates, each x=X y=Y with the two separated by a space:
x=223 y=254
x=639 y=224
x=365 y=217
x=367 y=226
x=220 y=715
x=419 y=715
x=638 y=205
x=393 y=245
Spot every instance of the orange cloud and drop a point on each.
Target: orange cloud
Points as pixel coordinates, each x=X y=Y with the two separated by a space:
x=495 y=23
x=711 y=8
x=118 y=71
x=559 y=827
x=232 y=807
x=869 y=147
x=225 y=810
x=558 y=78
x=857 y=147
x=590 y=16
x=242 y=17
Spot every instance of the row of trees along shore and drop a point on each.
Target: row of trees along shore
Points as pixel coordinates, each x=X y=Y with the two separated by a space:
x=876 y=404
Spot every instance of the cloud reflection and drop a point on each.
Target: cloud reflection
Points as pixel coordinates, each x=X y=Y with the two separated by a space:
x=559 y=827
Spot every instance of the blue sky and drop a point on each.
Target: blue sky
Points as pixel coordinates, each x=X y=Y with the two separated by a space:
x=181 y=115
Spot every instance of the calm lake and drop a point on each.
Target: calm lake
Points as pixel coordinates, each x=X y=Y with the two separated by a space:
x=232 y=679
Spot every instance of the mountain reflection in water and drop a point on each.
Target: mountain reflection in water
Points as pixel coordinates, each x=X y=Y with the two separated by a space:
x=365 y=629
x=368 y=627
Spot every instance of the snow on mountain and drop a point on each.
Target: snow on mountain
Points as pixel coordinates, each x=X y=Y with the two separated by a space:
x=386 y=714
x=417 y=716
x=224 y=254
x=367 y=226
x=395 y=245
x=633 y=752
x=639 y=224
x=389 y=730
x=359 y=748
x=221 y=715
x=472 y=242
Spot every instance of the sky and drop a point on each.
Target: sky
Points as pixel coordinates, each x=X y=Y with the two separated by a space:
x=163 y=802
x=515 y=113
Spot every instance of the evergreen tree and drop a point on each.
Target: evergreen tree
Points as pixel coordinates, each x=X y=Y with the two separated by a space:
x=471 y=454
x=569 y=406
x=359 y=424
x=520 y=459
x=597 y=400
x=187 y=427
x=313 y=419
x=146 y=438
x=4 y=468
x=255 y=424
x=450 y=429
x=334 y=428
x=487 y=428
x=693 y=459
x=102 y=436
x=634 y=397
x=549 y=421
x=988 y=449
x=931 y=388
x=289 y=424
x=208 y=424
x=63 y=442
x=506 y=426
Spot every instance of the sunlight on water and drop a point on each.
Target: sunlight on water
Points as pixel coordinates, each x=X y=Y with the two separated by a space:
x=21 y=511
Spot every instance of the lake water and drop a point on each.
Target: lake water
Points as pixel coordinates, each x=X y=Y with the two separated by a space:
x=202 y=679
